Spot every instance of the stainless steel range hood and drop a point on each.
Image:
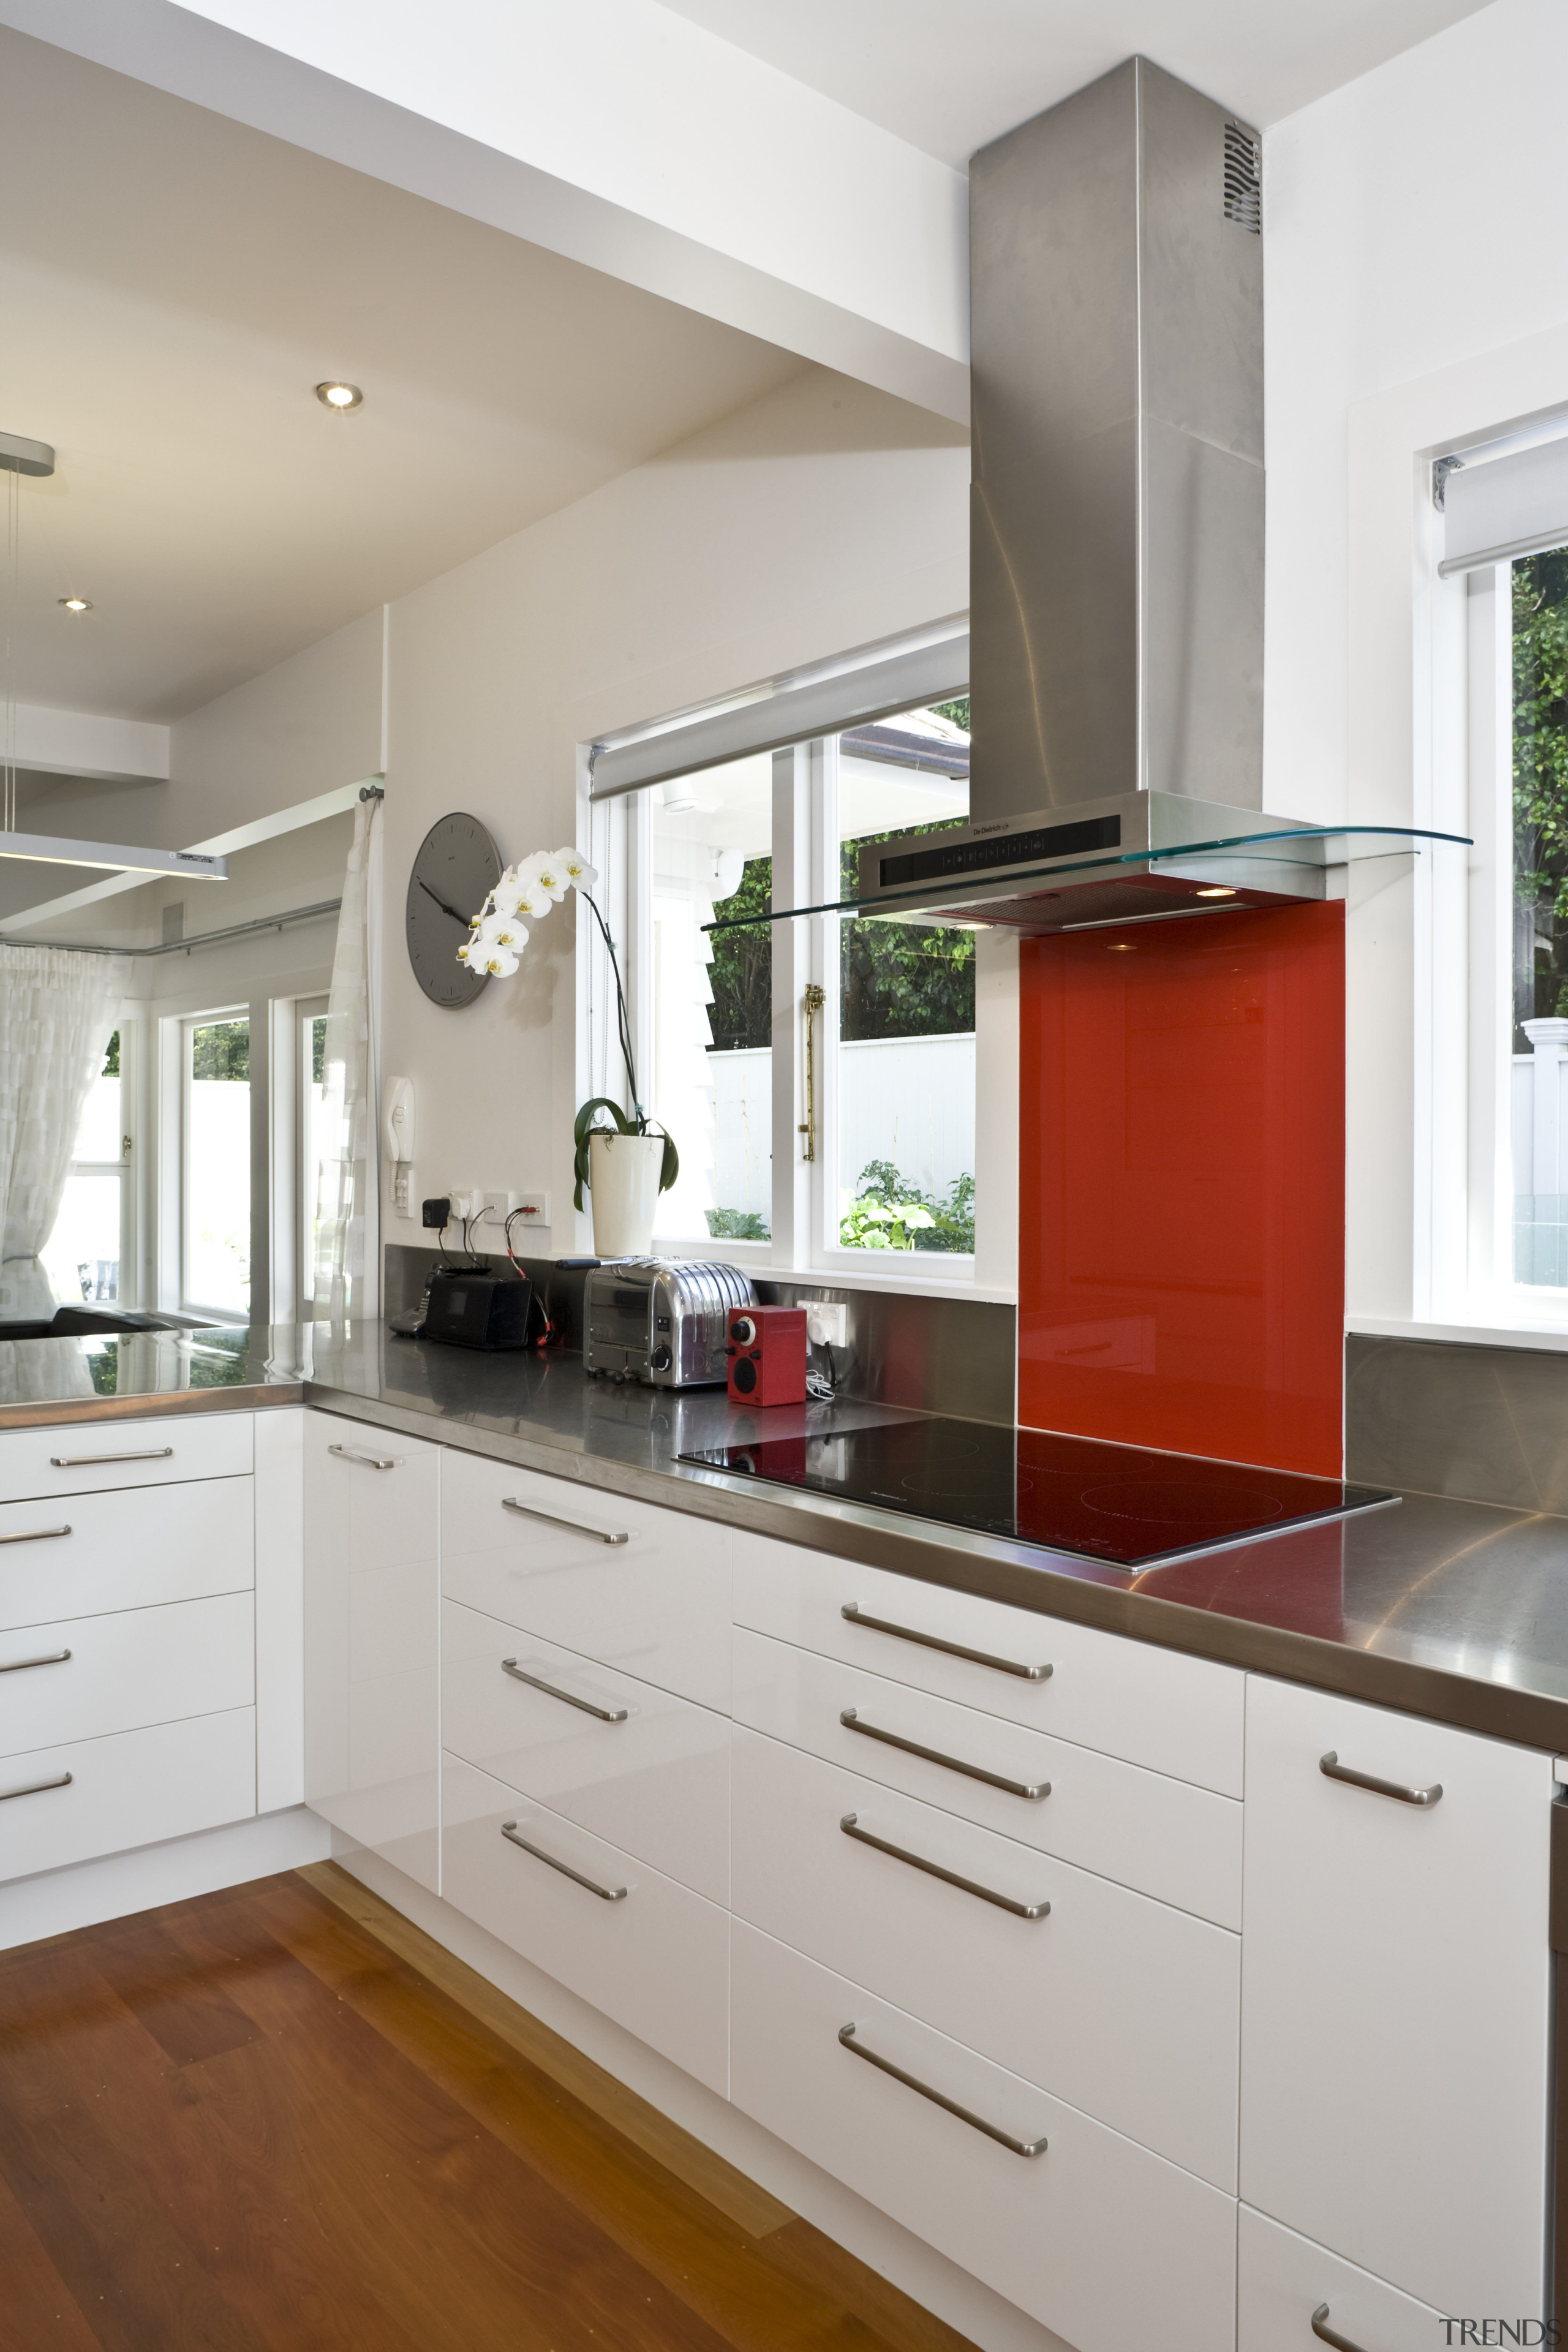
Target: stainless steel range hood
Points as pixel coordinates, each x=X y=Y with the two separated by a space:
x=1116 y=548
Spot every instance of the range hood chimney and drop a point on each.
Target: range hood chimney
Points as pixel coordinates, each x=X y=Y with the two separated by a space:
x=1116 y=526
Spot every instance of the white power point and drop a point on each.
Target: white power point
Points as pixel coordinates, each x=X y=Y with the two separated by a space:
x=828 y=1323
x=525 y=1209
x=404 y=1187
x=466 y=1203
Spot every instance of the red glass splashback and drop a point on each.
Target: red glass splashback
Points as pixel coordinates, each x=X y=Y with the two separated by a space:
x=1182 y=1185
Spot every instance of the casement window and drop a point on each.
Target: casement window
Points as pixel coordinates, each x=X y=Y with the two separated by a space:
x=215 y=1190
x=1505 y=541
x=90 y=1252
x=817 y=1073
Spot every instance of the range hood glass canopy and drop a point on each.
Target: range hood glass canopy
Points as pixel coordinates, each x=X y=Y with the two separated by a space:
x=1271 y=866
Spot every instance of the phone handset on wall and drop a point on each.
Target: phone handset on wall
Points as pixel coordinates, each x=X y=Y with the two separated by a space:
x=397 y=1114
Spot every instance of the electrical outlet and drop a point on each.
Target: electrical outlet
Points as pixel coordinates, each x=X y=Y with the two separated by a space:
x=404 y=1187
x=531 y=1209
x=828 y=1322
x=466 y=1203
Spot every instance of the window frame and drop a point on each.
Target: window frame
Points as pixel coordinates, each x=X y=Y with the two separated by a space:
x=185 y=1026
x=804 y=1195
x=123 y=1168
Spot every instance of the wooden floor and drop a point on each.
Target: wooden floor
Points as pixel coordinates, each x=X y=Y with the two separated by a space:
x=281 y=2116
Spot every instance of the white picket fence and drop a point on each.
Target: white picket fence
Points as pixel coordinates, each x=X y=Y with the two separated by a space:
x=1540 y=1122
x=907 y=1099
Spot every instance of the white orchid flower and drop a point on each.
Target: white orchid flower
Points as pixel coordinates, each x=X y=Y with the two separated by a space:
x=504 y=931
x=503 y=899
x=577 y=870
x=497 y=961
x=552 y=876
x=467 y=953
x=533 y=898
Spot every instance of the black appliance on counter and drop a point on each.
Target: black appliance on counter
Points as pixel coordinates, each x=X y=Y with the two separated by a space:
x=478 y=1309
x=1124 y=1505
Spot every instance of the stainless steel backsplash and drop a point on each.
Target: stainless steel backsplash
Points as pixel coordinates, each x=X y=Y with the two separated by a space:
x=957 y=1356
x=1484 y=1423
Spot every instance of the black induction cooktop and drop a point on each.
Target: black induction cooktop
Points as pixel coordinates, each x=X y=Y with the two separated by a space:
x=1121 y=1504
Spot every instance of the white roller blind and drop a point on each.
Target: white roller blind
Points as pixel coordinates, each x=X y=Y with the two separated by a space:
x=789 y=713
x=1501 y=507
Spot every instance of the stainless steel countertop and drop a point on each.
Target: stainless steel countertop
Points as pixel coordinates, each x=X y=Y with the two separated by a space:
x=1448 y=1609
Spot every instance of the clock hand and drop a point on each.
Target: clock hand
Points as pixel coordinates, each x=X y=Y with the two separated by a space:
x=442 y=903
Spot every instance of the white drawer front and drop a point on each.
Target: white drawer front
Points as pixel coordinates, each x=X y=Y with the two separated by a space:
x=125 y=1551
x=128 y=1790
x=1124 y=2007
x=1165 y=1837
x=647 y=1770
x=83 y=1456
x=140 y=1666
x=1110 y=2246
x=1176 y=1715
x=1396 y=1998
x=655 y=1959
x=657 y=1606
x=1283 y=2280
x=372 y=1622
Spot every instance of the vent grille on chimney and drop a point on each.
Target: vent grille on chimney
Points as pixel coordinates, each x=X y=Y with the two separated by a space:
x=1243 y=179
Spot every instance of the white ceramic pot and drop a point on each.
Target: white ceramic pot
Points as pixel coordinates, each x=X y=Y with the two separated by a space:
x=622 y=1184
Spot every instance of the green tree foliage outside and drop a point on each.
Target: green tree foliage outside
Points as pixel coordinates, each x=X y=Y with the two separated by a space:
x=1539 y=789
x=221 y=1049
x=111 y=1058
x=889 y=1211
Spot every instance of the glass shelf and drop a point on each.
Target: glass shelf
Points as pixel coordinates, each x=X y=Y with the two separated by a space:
x=974 y=890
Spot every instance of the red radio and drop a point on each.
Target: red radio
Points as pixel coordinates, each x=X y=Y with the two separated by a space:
x=767 y=1355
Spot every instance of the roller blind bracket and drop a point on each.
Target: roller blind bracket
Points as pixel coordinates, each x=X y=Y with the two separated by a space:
x=1441 y=469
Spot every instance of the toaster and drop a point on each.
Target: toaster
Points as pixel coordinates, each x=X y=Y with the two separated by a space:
x=663 y=1321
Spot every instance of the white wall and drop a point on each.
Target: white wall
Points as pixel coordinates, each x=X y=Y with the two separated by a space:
x=823 y=518
x=1414 y=268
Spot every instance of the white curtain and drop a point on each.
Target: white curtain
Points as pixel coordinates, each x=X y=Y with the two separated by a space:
x=348 y=1166
x=58 y=1012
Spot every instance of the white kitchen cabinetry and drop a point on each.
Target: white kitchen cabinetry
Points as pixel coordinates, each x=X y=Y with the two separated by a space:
x=648 y=1953
x=1395 y=2017
x=623 y=1759
x=1110 y=2246
x=128 y=1699
x=371 y=1630
x=73 y=1802
x=1165 y=1837
x=86 y=1677
x=638 y=1588
x=1152 y=1707
x=1126 y=2008
x=83 y=1457
x=1284 y=2282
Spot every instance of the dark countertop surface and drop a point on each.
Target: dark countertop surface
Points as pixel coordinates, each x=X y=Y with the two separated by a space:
x=1448 y=1609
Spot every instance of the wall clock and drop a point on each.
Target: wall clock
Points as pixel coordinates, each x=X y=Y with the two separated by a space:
x=457 y=868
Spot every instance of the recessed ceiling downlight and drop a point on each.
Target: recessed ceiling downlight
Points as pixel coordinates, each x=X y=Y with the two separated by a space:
x=75 y=604
x=340 y=396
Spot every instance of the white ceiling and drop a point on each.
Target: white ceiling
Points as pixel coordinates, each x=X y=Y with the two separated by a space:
x=173 y=284
x=949 y=75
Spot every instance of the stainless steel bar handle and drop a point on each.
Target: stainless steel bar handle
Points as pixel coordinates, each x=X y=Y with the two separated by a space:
x=605 y=1894
x=1034 y=1790
x=856 y=1615
x=604 y=1714
x=551 y=1520
x=20 y=1665
x=1335 y=1771
x=92 y=1461
x=34 y=1535
x=851 y=1825
x=35 y=1787
x=371 y=1460
x=1327 y=2335
x=939 y=2098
